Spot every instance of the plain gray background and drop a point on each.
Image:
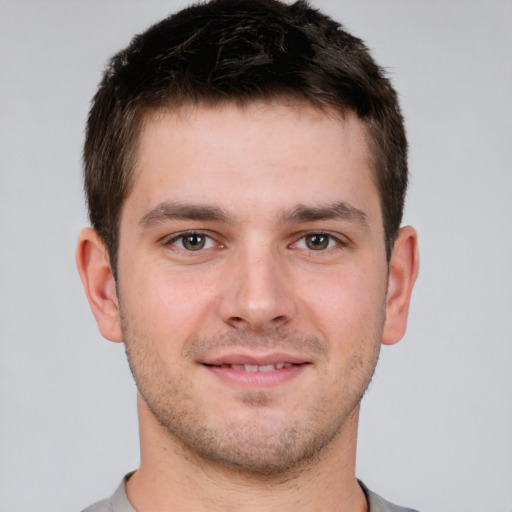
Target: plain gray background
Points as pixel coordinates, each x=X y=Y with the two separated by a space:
x=436 y=425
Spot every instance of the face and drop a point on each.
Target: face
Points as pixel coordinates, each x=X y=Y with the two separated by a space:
x=252 y=280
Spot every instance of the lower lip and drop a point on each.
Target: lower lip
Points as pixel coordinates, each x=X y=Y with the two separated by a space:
x=252 y=380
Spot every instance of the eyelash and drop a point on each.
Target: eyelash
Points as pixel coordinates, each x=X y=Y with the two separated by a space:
x=183 y=236
x=303 y=238
x=332 y=241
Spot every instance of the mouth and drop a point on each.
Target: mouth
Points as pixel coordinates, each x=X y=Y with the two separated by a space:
x=256 y=372
x=253 y=368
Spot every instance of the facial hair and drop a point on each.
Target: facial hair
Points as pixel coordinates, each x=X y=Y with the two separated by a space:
x=263 y=445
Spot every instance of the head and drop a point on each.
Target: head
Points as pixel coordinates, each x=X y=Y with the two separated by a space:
x=246 y=170
x=238 y=51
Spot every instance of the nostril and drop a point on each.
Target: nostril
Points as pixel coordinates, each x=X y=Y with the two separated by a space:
x=237 y=321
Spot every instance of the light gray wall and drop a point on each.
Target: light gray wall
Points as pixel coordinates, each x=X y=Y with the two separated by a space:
x=436 y=427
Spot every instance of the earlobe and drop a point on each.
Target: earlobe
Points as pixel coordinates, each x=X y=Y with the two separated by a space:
x=97 y=278
x=403 y=270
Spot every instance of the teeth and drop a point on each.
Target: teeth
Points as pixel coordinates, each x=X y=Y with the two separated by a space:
x=253 y=368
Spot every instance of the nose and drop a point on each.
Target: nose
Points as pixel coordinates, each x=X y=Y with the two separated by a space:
x=258 y=292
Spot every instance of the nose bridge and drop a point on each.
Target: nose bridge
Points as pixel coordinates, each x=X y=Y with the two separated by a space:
x=258 y=293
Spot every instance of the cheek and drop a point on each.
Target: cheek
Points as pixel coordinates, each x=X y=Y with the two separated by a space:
x=348 y=309
x=348 y=300
x=165 y=305
x=162 y=289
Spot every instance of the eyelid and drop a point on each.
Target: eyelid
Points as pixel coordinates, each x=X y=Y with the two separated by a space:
x=173 y=239
x=339 y=240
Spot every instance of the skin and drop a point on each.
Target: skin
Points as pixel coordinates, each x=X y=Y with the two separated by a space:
x=251 y=236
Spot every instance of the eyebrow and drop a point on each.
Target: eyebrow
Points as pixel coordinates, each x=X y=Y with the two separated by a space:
x=183 y=211
x=171 y=210
x=334 y=211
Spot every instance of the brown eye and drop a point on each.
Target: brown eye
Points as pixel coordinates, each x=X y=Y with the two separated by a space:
x=193 y=241
x=317 y=241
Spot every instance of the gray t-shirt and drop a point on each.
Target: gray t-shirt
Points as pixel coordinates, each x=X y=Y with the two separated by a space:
x=118 y=502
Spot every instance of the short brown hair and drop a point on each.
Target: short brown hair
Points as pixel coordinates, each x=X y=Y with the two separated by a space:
x=238 y=51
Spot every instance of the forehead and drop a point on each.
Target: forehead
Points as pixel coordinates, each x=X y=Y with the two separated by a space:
x=265 y=154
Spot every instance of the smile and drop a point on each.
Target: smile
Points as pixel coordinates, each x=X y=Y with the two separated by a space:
x=253 y=374
x=252 y=368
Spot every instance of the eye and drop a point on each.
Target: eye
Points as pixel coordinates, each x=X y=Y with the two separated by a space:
x=192 y=241
x=317 y=242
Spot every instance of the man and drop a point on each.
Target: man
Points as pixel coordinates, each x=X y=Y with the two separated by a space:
x=245 y=168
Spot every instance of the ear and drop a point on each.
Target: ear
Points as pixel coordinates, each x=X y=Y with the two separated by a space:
x=403 y=269
x=93 y=264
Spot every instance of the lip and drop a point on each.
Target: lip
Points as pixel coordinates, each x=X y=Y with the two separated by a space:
x=254 y=359
x=220 y=367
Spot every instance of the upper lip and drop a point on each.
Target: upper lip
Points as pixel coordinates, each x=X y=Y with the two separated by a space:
x=254 y=359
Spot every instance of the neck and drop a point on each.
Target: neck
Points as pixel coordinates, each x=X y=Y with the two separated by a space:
x=170 y=477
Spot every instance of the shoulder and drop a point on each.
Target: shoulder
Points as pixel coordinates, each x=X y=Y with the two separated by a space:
x=378 y=504
x=118 y=502
x=100 y=506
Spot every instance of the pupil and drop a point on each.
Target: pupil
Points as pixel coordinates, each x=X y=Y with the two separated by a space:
x=194 y=242
x=318 y=241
